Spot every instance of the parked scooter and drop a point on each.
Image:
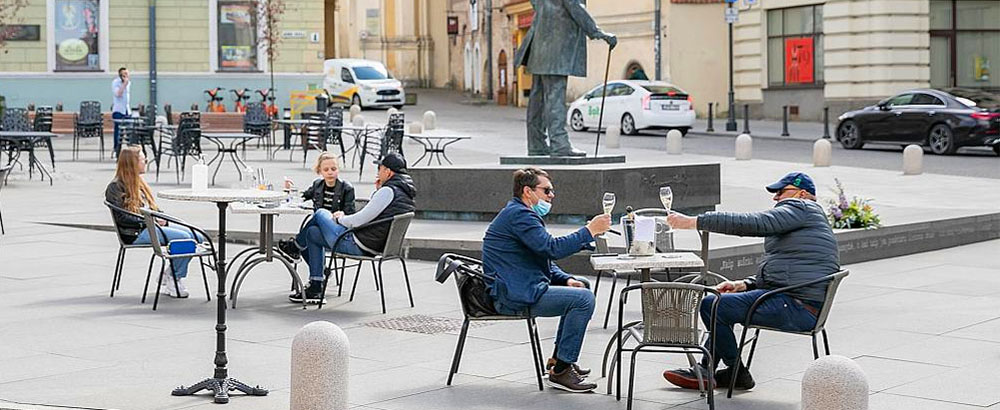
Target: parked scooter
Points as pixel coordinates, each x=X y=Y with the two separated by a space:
x=215 y=100
x=267 y=97
x=241 y=96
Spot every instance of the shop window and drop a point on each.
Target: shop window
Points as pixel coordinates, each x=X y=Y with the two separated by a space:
x=77 y=31
x=795 y=46
x=965 y=43
x=237 y=36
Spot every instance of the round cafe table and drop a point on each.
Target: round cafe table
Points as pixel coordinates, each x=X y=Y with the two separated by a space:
x=220 y=384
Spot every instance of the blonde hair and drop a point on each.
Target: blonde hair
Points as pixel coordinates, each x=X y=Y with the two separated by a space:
x=137 y=191
x=323 y=156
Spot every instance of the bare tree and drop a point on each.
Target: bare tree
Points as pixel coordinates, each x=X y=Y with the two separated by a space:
x=271 y=11
x=8 y=16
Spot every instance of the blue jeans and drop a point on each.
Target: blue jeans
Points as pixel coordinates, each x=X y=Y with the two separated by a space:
x=180 y=265
x=117 y=138
x=779 y=311
x=321 y=232
x=574 y=307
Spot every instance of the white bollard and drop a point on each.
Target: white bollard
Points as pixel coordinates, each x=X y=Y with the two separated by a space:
x=320 y=356
x=834 y=383
x=744 y=147
x=416 y=127
x=390 y=111
x=613 y=139
x=913 y=160
x=358 y=121
x=430 y=120
x=674 y=144
x=355 y=111
x=822 y=151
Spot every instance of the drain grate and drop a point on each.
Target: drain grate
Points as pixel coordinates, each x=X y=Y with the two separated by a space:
x=428 y=325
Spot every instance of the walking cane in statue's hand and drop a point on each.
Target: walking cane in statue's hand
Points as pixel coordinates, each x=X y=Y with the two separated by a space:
x=604 y=92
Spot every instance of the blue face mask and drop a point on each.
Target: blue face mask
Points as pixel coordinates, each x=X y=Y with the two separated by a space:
x=541 y=208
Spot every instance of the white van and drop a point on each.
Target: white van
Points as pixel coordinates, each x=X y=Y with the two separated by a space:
x=365 y=83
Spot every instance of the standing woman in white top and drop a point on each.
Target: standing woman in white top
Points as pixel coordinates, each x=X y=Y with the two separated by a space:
x=121 y=89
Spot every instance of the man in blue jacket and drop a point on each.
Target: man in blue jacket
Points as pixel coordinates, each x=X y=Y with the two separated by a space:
x=518 y=253
x=799 y=246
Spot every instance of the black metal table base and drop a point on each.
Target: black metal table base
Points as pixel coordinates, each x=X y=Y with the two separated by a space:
x=220 y=389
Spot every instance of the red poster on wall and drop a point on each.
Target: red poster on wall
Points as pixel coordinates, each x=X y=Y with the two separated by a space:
x=799 y=60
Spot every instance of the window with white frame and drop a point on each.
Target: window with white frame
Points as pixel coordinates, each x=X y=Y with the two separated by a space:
x=237 y=35
x=77 y=35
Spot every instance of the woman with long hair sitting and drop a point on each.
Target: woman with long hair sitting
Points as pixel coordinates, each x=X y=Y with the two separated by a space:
x=130 y=191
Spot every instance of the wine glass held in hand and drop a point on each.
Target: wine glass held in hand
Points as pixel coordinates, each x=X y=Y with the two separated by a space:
x=666 y=197
x=608 y=202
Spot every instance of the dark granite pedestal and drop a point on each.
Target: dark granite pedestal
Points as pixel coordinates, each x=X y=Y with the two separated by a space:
x=477 y=193
x=548 y=160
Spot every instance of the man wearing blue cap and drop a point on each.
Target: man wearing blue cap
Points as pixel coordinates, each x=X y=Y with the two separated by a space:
x=799 y=246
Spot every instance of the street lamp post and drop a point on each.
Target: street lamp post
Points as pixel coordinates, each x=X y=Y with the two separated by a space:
x=731 y=121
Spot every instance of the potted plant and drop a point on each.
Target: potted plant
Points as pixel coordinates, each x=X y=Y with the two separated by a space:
x=856 y=213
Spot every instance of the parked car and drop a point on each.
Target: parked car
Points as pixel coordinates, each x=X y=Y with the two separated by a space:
x=364 y=83
x=942 y=119
x=634 y=105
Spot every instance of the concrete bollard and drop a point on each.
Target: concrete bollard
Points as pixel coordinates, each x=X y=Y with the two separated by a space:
x=320 y=358
x=913 y=160
x=390 y=111
x=358 y=121
x=744 y=147
x=416 y=127
x=822 y=151
x=430 y=120
x=355 y=110
x=613 y=139
x=834 y=383
x=674 y=145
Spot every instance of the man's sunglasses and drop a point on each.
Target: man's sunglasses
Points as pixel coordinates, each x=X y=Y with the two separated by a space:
x=547 y=191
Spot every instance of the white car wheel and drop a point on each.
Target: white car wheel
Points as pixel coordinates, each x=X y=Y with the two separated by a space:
x=576 y=121
x=628 y=124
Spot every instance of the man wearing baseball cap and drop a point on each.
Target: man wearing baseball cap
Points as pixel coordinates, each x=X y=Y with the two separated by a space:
x=394 y=195
x=799 y=246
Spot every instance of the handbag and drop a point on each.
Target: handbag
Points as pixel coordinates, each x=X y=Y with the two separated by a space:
x=182 y=246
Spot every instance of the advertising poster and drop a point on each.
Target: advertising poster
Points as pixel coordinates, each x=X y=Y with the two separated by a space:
x=799 y=60
x=76 y=31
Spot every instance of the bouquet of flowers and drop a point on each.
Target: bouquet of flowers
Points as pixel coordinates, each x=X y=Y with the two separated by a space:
x=856 y=213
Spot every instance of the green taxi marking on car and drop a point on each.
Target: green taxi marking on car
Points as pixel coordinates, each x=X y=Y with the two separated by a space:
x=593 y=111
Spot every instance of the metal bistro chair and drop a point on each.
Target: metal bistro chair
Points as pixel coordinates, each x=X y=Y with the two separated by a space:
x=43 y=123
x=88 y=123
x=378 y=146
x=314 y=134
x=4 y=170
x=257 y=122
x=173 y=146
x=824 y=313
x=670 y=324
x=206 y=248
x=393 y=250
x=334 y=135
x=477 y=307
x=123 y=246
x=16 y=119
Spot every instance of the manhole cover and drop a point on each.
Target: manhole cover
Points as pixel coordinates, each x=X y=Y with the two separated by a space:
x=424 y=324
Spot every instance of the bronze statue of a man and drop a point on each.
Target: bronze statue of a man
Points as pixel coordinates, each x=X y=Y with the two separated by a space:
x=554 y=49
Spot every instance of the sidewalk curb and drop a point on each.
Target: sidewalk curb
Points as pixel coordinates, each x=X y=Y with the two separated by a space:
x=756 y=136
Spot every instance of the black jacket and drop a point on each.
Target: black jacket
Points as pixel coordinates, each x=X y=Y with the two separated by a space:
x=129 y=226
x=343 y=196
x=799 y=245
x=372 y=238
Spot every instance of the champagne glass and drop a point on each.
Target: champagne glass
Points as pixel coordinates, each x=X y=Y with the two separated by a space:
x=608 y=202
x=666 y=197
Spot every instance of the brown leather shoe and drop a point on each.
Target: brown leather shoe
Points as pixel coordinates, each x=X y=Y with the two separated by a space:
x=569 y=380
x=583 y=371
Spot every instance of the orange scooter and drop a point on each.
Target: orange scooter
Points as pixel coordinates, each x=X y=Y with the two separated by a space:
x=241 y=96
x=267 y=97
x=215 y=100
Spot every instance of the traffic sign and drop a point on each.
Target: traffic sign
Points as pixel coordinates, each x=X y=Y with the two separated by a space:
x=732 y=15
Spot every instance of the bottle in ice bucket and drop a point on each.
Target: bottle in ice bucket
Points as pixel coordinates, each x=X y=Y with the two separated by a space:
x=628 y=228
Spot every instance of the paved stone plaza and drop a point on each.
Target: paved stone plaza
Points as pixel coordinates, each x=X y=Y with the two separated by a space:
x=924 y=327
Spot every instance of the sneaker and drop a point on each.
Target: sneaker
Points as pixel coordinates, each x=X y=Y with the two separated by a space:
x=569 y=380
x=290 y=249
x=582 y=371
x=688 y=379
x=744 y=381
x=314 y=293
x=167 y=288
